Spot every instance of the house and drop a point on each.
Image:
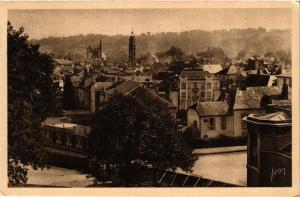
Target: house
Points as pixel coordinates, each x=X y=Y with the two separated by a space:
x=141 y=78
x=125 y=87
x=231 y=75
x=111 y=70
x=211 y=119
x=250 y=101
x=136 y=74
x=255 y=80
x=65 y=138
x=197 y=85
x=135 y=89
x=284 y=80
x=98 y=95
x=173 y=96
x=65 y=66
x=145 y=97
x=76 y=80
x=84 y=91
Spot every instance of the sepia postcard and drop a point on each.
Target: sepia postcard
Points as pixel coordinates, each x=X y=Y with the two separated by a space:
x=150 y=98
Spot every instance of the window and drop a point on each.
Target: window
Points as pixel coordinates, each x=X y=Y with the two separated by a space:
x=202 y=94
x=182 y=104
x=223 y=122
x=215 y=85
x=47 y=134
x=68 y=140
x=212 y=125
x=202 y=86
x=208 y=85
x=183 y=95
x=183 y=85
x=58 y=139
x=54 y=137
x=208 y=95
x=189 y=103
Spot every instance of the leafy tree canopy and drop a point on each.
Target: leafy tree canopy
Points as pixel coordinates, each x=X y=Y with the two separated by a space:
x=130 y=134
x=172 y=52
x=30 y=100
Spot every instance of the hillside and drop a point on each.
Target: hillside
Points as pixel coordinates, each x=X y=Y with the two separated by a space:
x=252 y=41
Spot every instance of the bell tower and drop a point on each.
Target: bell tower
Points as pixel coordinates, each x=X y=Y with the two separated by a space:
x=131 y=46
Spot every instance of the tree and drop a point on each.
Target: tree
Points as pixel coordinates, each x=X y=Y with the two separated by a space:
x=215 y=53
x=131 y=134
x=269 y=54
x=30 y=97
x=173 y=52
x=241 y=55
x=68 y=95
x=282 y=55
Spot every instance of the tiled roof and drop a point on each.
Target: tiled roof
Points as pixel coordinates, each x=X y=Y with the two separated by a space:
x=143 y=95
x=214 y=108
x=251 y=97
x=193 y=74
x=63 y=61
x=124 y=87
x=104 y=85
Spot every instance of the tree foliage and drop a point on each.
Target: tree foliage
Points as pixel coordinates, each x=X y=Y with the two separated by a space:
x=173 y=52
x=215 y=53
x=132 y=134
x=251 y=40
x=30 y=97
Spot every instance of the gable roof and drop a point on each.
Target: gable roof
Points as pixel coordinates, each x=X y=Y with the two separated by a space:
x=143 y=95
x=213 y=108
x=231 y=70
x=124 y=88
x=251 y=97
x=193 y=74
x=254 y=80
x=212 y=68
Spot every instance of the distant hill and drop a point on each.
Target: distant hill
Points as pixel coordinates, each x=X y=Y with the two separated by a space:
x=252 y=41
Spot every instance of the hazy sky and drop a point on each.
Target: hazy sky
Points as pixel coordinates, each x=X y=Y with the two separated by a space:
x=44 y=23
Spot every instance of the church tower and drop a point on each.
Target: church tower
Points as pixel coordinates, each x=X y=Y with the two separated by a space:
x=131 y=55
x=100 y=48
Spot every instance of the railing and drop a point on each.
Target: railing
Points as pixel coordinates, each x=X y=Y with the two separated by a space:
x=174 y=179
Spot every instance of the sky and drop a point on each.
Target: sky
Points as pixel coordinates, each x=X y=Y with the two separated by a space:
x=44 y=23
